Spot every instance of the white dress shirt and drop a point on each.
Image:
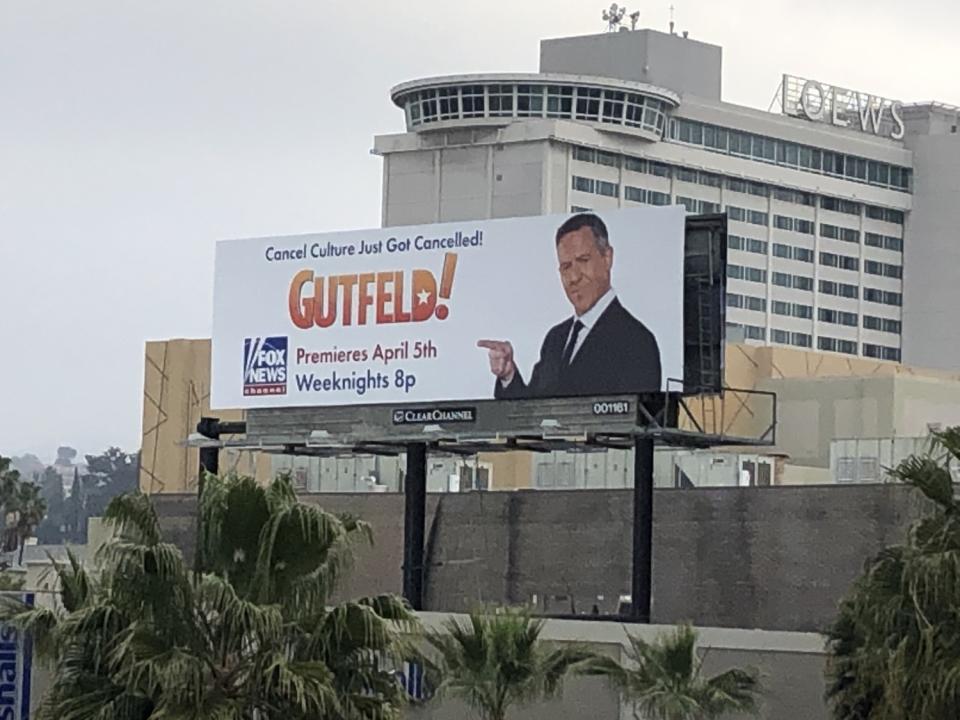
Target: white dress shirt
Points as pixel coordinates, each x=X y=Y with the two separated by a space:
x=589 y=319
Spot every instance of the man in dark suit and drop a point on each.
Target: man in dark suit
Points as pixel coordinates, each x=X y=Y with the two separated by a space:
x=602 y=349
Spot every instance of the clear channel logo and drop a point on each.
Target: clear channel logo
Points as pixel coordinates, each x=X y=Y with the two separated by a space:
x=265 y=366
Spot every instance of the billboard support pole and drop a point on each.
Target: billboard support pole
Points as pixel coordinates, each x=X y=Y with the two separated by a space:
x=642 y=575
x=414 y=523
x=212 y=428
x=209 y=463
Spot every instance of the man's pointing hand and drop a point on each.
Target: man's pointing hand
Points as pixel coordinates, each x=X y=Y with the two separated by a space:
x=501 y=359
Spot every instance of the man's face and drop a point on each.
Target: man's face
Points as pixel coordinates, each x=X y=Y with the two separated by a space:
x=584 y=270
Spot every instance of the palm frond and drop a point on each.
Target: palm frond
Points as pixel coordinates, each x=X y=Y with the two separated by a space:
x=134 y=517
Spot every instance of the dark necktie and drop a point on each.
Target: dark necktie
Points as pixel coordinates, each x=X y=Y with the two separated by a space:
x=571 y=344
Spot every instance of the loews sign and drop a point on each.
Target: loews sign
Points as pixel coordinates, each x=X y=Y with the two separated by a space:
x=837 y=106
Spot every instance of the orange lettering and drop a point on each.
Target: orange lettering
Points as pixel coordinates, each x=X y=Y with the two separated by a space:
x=347 y=282
x=321 y=318
x=301 y=317
x=383 y=297
x=364 y=298
x=399 y=315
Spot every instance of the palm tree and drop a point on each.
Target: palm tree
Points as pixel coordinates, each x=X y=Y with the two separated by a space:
x=494 y=661
x=23 y=507
x=894 y=649
x=664 y=680
x=29 y=508
x=254 y=637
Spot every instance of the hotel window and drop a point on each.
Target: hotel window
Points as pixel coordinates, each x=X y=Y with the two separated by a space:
x=686 y=175
x=749 y=274
x=579 y=209
x=690 y=132
x=588 y=103
x=779 y=307
x=428 y=103
x=608 y=158
x=583 y=184
x=874 y=267
x=449 y=103
x=829 y=287
x=754 y=217
x=837 y=345
x=882 y=297
x=838 y=317
x=851 y=235
x=500 y=100
x=658 y=169
x=783 y=251
x=746 y=302
x=801 y=339
x=755 y=332
x=782 y=222
x=782 y=152
x=584 y=154
x=782 y=279
x=803 y=254
x=779 y=336
x=635 y=164
x=871 y=322
x=739 y=186
x=657 y=198
x=634 y=111
x=882 y=352
x=709 y=179
x=844 y=262
x=559 y=101
x=802 y=283
x=471 y=99
x=607 y=189
x=883 y=241
x=794 y=196
x=634 y=194
x=698 y=207
x=804 y=312
x=613 y=106
x=885 y=214
x=838 y=205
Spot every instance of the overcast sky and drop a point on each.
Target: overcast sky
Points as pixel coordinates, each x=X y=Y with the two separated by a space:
x=133 y=135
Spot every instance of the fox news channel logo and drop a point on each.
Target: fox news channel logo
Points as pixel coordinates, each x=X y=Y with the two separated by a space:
x=265 y=366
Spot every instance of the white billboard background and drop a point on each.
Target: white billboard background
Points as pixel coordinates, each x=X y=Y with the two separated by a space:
x=508 y=288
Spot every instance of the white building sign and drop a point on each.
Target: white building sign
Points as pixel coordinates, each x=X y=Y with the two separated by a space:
x=840 y=107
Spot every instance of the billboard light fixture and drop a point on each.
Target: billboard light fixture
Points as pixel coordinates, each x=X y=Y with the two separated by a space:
x=320 y=438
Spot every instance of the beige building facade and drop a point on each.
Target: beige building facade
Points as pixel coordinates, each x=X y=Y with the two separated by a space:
x=821 y=397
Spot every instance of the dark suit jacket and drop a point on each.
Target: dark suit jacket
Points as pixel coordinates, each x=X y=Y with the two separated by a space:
x=619 y=355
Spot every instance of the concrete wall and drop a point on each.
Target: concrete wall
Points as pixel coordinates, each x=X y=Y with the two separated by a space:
x=443 y=184
x=931 y=293
x=790 y=664
x=647 y=56
x=773 y=558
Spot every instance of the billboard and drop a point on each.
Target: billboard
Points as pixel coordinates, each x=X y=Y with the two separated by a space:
x=16 y=666
x=531 y=307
